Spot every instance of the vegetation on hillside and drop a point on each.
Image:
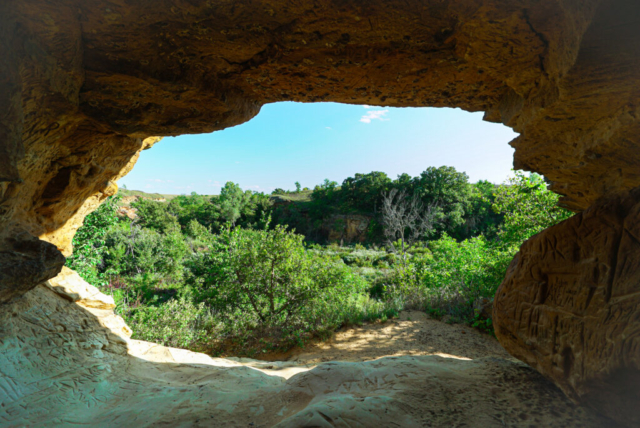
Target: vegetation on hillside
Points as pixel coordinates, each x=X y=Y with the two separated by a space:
x=245 y=273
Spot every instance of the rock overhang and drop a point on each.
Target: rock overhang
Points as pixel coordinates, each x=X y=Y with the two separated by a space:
x=86 y=85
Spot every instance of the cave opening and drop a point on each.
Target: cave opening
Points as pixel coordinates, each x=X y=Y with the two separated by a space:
x=89 y=83
x=288 y=142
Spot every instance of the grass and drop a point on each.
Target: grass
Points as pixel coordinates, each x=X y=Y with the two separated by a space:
x=144 y=195
x=302 y=196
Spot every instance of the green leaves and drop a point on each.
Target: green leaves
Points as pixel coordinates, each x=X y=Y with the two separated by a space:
x=448 y=191
x=177 y=323
x=528 y=208
x=266 y=272
x=89 y=242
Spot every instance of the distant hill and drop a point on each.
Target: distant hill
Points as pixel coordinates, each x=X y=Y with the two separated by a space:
x=140 y=193
x=129 y=195
x=303 y=196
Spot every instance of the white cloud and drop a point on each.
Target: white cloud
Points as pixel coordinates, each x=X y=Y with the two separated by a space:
x=367 y=106
x=328 y=127
x=374 y=115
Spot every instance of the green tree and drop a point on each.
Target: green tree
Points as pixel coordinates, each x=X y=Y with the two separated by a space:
x=155 y=215
x=528 y=208
x=447 y=191
x=89 y=242
x=324 y=199
x=232 y=200
x=189 y=207
x=363 y=191
x=480 y=218
x=298 y=187
x=266 y=272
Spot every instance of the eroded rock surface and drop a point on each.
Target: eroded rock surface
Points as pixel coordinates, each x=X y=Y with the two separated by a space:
x=348 y=228
x=65 y=364
x=84 y=83
x=85 y=86
x=570 y=306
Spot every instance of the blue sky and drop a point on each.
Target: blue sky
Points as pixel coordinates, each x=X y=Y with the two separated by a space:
x=289 y=142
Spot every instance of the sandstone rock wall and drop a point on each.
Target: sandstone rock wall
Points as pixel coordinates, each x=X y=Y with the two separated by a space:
x=84 y=85
x=346 y=228
x=570 y=306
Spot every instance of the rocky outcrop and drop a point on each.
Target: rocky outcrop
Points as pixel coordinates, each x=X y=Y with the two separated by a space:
x=130 y=213
x=69 y=285
x=66 y=359
x=24 y=261
x=570 y=306
x=346 y=228
x=86 y=85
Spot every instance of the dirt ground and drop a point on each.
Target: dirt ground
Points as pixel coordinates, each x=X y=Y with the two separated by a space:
x=412 y=333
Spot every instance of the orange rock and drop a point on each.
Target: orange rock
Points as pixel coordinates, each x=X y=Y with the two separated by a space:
x=85 y=86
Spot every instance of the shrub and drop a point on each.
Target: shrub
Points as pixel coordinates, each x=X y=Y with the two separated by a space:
x=270 y=293
x=89 y=246
x=265 y=272
x=528 y=208
x=473 y=266
x=177 y=323
x=450 y=278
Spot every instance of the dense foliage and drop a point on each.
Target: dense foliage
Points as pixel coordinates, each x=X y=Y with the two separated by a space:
x=461 y=209
x=217 y=274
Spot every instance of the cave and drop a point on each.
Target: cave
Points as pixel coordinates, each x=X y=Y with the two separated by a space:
x=87 y=85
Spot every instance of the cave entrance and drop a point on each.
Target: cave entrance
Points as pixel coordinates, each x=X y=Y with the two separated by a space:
x=309 y=145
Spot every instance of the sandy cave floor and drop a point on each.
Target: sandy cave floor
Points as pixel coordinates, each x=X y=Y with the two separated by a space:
x=412 y=333
x=65 y=364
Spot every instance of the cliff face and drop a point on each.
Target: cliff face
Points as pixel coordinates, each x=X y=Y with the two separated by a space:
x=346 y=228
x=85 y=85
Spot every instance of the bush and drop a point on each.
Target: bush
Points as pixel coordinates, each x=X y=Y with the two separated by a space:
x=89 y=242
x=473 y=266
x=134 y=250
x=177 y=323
x=528 y=207
x=265 y=272
x=271 y=293
x=450 y=278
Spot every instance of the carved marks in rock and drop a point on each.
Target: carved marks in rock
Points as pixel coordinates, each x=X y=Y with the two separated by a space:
x=570 y=306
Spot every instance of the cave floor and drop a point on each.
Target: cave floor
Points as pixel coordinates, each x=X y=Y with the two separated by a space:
x=67 y=360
